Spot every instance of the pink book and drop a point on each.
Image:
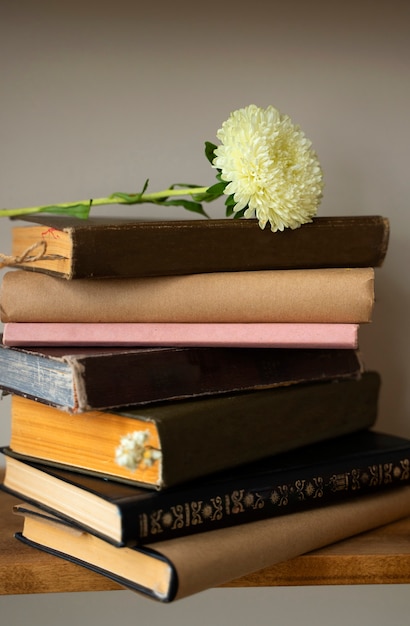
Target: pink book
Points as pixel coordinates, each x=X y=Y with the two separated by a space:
x=268 y=335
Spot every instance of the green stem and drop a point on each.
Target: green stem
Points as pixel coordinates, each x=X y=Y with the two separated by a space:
x=190 y=191
x=139 y=199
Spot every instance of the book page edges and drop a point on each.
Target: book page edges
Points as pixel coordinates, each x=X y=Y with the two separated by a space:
x=81 y=448
x=58 y=253
x=155 y=575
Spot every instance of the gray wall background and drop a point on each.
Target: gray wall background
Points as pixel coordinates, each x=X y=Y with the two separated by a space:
x=98 y=96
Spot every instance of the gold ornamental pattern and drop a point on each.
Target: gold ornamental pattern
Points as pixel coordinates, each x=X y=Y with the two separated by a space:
x=268 y=502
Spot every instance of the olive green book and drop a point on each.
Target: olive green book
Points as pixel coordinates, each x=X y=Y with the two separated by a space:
x=166 y=444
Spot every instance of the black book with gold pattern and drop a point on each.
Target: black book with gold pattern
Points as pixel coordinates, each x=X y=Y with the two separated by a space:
x=317 y=475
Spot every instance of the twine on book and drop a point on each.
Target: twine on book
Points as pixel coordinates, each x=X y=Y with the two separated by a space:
x=27 y=256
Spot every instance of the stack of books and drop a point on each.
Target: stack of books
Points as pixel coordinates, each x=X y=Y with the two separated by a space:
x=188 y=399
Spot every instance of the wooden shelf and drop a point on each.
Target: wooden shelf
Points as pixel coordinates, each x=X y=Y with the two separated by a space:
x=381 y=556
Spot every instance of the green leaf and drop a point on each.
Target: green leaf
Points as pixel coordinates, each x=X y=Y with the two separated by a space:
x=80 y=210
x=217 y=190
x=195 y=207
x=210 y=151
x=130 y=198
x=239 y=214
x=184 y=185
x=230 y=206
x=125 y=198
x=145 y=187
x=203 y=197
x=212 y=193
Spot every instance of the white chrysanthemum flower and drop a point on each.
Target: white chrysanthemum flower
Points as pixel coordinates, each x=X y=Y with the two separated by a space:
x=270 y=166
x=151 y=456
x=133 y=451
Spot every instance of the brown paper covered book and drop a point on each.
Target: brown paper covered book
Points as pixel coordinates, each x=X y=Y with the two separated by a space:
x=177 y=568
x=335 y=295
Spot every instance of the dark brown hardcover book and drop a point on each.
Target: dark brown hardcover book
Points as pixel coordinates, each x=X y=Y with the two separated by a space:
x=177 y=568
x=83 y=379
x=109 y=247
x=166 y=444
x=311 y=477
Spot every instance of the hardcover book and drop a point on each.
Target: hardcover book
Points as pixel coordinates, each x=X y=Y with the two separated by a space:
x=335 y=295
x=166 y=444
x=311 y=477
x=83 y=379
x=107 y=247
x=174 y=334
x=178 y=568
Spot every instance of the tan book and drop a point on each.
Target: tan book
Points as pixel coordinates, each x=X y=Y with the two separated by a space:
x=335 y=295
x=177 y=568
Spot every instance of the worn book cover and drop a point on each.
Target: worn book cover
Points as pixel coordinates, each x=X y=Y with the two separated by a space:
x=313 y=476
x=335 y=295
x=168 y=443
x=178 y=568
x=83 y=379
x=108 y=247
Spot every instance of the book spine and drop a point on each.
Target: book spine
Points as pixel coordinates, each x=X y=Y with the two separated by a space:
x=201 y=246
x=339 y=296
x=279 y=494
x=196 y=246
x=37 y=377
x=199 y=372
x=79 y=383
x=174 y=334
x=206 y=436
